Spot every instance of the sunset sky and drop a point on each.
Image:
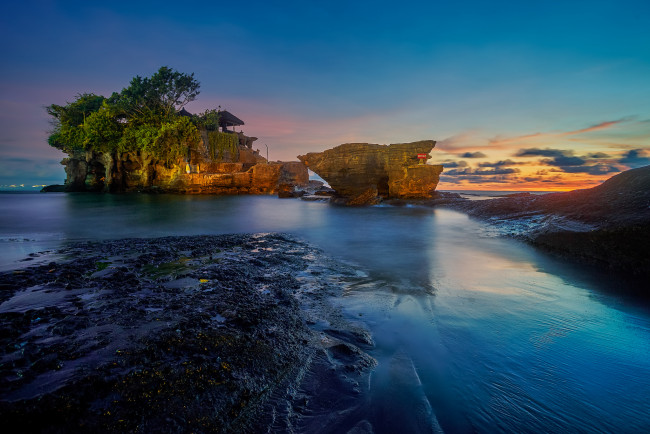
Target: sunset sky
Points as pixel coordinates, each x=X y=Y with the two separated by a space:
x=519 y=95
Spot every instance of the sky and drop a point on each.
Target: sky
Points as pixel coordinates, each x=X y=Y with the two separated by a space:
x=519 y=95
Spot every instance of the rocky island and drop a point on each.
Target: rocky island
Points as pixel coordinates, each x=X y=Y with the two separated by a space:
x=142 y=139
x=238 y=171
x=364 y=173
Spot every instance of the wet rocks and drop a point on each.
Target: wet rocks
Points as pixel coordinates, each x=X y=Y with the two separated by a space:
x=286 y=191
x=55 y=188
x=202 y=334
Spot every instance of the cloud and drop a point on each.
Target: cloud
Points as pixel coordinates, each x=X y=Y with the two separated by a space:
x=597 y=169
x=466 y=140
x=500 y=163
x=499 y=141
x=545 y=179
x=535 y=152
x=599 y=126
x=635 y=158
x=18 y=170
x=559 y=158
x=456 y=172
x=450 y=164
x=598 y=155
x=536 y=137
x=478 y=176
x=476 y=179
x=496 y=171
x=564 y=160
x=472 y=155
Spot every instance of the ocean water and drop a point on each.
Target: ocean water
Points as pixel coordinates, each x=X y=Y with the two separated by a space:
x=490 y=194
x=473 y=333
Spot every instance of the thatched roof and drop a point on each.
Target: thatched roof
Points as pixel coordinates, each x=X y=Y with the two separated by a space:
x=184 y=112
x=227 y=119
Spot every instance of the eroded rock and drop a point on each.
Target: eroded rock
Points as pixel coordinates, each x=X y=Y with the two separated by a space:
x=241 y=172
x=393 y=171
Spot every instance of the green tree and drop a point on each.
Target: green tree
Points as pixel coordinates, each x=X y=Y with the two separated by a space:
x=175 y=139
x=75 y=112
x=143 y=116
x=138 y=137
x=67 y=121
x=102 y=130
x=208 y=120
x=161 y=95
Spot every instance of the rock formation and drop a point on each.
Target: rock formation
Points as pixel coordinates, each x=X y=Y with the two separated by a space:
x=241 y=172
x=608 y=225
x=364 y=173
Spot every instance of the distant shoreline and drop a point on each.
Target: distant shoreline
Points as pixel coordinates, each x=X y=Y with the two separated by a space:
x=608 y=225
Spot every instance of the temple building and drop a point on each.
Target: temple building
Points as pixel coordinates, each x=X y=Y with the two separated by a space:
x=227 y=119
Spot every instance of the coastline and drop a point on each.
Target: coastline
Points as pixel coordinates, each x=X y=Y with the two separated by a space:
x=209 y=333
x=618 y=248
x=427 y=272
x=607 y=225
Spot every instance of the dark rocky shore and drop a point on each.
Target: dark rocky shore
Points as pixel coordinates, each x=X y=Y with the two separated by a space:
x=608 y=225
x=183 y=334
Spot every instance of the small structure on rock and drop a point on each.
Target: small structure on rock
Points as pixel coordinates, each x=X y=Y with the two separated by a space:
x=227 y=119
x=365 y=173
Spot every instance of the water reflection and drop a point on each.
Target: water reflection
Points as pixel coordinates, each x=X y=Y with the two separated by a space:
x=473 y=333
x=545 y=354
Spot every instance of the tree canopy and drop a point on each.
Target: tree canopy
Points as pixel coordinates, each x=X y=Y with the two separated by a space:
x=164 y=93
x=143 y=116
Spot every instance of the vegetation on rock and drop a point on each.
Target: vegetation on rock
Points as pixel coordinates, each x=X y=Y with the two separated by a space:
x=142 y=117
x=219 y=142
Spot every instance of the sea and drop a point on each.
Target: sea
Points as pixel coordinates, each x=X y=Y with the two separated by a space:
x=473 y=332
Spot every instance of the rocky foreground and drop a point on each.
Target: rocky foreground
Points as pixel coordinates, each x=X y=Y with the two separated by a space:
x=183 y=334
x=608 y=225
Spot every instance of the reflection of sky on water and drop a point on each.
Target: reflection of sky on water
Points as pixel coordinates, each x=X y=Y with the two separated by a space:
x=534 y=346
x=498 y=334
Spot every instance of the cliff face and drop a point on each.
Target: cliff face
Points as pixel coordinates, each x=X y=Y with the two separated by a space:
x=362 y=172
x=240 y=172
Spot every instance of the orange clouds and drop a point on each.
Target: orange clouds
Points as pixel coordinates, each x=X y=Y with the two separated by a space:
x=500 y=143
x=540 y=161
x=548 y=160
x=600 y=126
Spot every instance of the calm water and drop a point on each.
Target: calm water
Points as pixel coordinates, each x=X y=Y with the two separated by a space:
x=473 y=333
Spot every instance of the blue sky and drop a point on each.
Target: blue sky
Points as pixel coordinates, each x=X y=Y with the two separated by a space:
x=499 y=78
